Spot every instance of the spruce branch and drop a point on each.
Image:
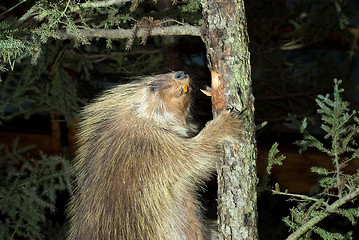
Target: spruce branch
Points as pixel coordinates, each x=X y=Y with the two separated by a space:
x=98 y=4
x=271 y=160
x=28 y=189
x=12 y=8
x=127 y=33
x=340 y=129
x=329 y=210
x=300 y=196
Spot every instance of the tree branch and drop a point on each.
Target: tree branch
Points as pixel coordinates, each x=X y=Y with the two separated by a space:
x=330 y=209
x=127 y=33
x=304 y=197
x=98 y=4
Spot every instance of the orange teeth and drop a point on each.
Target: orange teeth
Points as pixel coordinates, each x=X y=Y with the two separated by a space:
x=185 y=89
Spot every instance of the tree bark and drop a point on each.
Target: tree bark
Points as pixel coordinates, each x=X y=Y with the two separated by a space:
x=226 y=39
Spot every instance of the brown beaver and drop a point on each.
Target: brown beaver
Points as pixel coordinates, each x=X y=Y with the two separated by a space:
x=138 y=164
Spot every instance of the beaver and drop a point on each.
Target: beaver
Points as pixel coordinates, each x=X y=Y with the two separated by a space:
x=139 y=162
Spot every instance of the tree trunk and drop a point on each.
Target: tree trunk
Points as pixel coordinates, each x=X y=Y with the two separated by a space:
x=226 y=39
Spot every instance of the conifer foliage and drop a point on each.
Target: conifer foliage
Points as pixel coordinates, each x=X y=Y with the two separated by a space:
x=28 y=189
x=338 y=189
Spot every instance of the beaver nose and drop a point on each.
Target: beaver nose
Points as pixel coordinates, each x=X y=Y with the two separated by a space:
x=180 y=75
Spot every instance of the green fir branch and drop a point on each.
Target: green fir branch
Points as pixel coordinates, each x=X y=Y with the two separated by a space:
x=28 y=189
x=271 y=160
x=308 y=225
x=341 y=127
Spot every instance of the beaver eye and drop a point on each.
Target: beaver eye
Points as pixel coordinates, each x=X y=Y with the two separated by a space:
x=154 y=87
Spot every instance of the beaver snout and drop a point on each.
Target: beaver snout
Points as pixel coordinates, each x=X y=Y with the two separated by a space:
x=180 y=75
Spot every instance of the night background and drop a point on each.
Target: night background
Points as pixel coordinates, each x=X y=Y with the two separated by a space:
x=297 y=47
